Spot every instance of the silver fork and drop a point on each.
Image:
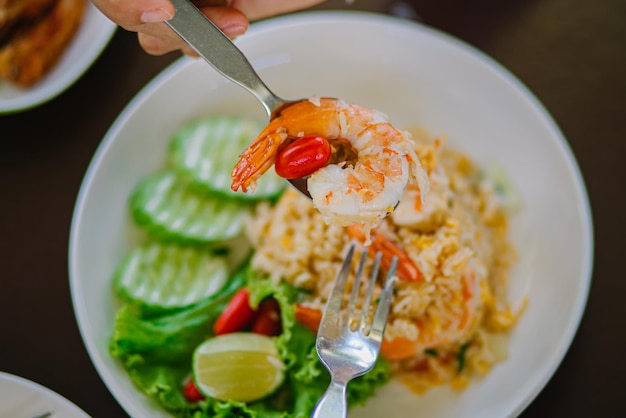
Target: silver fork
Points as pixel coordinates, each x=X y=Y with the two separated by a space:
x=223 y=55
x=346 y=343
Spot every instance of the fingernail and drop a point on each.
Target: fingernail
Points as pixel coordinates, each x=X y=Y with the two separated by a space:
x=155 y=16
x=234 y=30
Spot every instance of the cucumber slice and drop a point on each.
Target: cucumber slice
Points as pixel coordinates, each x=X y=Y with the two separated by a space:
x=159 y=276
x=208 y=149
x=171 y=210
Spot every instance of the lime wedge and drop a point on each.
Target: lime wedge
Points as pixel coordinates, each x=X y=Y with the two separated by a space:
x=240 y=367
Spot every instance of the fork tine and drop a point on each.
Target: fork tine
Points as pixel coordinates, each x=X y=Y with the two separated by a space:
x=370 y=290
x=355 y=290
x=382 y=312
x=333 y=305
x=346 y=353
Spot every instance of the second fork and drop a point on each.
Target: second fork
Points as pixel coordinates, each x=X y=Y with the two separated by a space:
x=346 y=343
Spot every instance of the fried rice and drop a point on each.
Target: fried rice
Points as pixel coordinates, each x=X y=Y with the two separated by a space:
x=446 y=327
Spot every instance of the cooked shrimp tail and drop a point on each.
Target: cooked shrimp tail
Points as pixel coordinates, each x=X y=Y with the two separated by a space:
x=257 y=158
x=406 y=270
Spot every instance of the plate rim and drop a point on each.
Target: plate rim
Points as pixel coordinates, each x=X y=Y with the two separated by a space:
x=31 y=385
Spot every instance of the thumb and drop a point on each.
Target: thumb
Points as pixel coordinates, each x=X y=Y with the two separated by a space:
x=136 y=12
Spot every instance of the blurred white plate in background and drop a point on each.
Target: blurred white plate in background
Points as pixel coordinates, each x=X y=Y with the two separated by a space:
x=22 y=398
x=89 y=41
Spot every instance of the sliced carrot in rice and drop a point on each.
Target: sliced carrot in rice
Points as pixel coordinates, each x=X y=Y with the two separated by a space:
x=399 y=348
x=309 y=317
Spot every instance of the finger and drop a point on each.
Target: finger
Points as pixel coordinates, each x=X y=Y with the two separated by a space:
x=231 y=21
x=208 y=3
x=154 y=45
x=258 y=9
x=158 y=45
x=159 y=39
x=133 y=13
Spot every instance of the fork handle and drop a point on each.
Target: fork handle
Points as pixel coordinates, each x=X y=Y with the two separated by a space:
x=333 y=403
x=219 y=51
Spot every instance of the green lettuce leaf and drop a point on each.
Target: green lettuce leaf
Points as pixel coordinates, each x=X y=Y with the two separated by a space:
x=157 y=355
x=170 y=338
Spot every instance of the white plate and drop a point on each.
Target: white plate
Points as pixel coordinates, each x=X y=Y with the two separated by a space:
x=90 y=40
x=20 y=397
x=418 y=76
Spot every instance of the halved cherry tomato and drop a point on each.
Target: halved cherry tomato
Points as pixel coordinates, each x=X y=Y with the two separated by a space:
x=191 y=392
x=267 y=321
x=309 y=317
x=302 y=157
x=237 y=316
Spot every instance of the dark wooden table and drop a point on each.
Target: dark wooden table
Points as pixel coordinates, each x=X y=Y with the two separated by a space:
x=570 y=53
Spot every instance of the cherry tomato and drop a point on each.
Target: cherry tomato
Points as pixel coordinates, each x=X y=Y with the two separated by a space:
x=191 y=392
x=302 y=157
x=237 y=316
x=267 y=321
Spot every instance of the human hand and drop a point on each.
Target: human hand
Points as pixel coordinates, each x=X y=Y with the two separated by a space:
x=147 y=17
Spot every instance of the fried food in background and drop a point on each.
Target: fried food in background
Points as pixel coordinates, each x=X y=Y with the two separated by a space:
x=14 y=11
x=34 y=35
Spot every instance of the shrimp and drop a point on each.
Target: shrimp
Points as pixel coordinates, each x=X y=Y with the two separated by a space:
x=345 y=192
x=429 y=215
x=457 y=329
x=406 y=270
